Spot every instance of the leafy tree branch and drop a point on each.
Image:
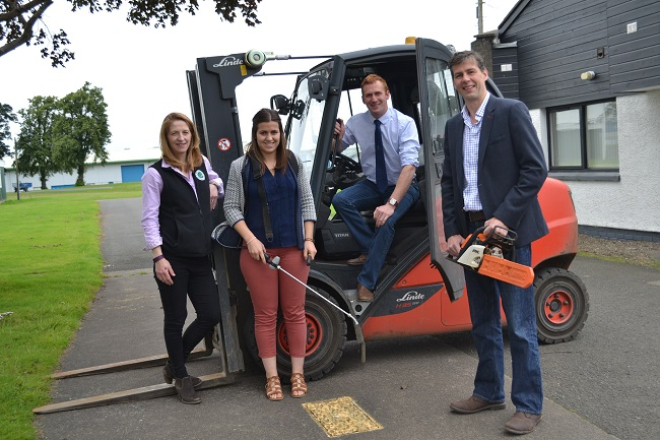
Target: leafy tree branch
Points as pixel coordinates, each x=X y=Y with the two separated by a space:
x=7 y=116
x=21 y=22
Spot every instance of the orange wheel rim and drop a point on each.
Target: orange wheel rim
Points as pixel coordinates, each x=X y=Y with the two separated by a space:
x=558 y=307
x=312 y=340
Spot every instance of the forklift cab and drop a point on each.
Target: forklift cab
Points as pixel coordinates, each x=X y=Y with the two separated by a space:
x=421 y=87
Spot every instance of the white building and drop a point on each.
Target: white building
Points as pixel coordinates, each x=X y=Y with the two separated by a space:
x=122 y=167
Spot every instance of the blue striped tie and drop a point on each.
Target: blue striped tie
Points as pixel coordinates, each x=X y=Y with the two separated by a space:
x=381 y=170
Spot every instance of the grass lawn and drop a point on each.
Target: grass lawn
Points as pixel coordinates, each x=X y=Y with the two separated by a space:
x=50 y=270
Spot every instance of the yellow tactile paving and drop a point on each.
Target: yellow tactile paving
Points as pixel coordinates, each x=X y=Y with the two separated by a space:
x=341 y=416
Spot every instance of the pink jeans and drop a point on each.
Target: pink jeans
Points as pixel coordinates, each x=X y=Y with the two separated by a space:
x=268 y=287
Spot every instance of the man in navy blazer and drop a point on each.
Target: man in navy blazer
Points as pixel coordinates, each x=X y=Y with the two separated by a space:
x=493 y=170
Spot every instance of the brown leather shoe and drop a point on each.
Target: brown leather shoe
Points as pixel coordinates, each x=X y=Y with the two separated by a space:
x=474 y=405
x=359 y=261
x=522 y=423
x=364 y=294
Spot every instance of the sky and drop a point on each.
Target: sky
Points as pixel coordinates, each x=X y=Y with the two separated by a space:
x=141 y=70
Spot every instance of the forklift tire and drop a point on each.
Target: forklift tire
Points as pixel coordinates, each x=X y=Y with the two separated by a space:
x=326 y=337
x=562 y=305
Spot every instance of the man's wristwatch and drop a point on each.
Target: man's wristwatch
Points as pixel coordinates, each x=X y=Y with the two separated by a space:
x=394 y=202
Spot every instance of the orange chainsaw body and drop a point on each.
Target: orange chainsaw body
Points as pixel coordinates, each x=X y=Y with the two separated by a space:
x=485 y=255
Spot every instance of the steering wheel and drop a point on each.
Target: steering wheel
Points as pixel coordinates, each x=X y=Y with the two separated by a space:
x=346 y=171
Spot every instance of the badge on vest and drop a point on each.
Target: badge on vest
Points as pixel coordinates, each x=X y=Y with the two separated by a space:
x=199 y=175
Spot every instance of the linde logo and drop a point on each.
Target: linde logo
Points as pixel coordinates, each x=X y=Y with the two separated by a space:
x=411 y=296
x=229 y=61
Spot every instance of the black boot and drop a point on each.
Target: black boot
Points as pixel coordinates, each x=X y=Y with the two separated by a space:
x=168 y=375
x=186 y=391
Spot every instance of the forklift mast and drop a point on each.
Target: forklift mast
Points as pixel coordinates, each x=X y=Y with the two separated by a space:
x=212 y=88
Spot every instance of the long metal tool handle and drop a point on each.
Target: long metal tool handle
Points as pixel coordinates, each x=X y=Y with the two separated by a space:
x=277 y=266
x=319 y=295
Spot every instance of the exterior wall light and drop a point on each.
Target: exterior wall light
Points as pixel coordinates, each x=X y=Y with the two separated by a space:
x=588 y=75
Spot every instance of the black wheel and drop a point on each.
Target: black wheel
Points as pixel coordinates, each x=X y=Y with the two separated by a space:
x=326 y=336
x=562 y=305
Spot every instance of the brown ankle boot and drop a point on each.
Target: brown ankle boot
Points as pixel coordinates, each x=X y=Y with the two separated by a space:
x=168 y=375
x=186 y=390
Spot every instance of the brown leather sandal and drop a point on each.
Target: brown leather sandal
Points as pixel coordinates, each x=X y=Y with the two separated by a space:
x=273 y=388
x=298 y=385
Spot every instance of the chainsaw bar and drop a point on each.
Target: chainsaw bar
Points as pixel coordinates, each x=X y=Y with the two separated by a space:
x=507 y=271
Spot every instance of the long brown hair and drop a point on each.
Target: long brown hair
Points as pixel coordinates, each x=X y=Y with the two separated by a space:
x=193 y=155
x=268 y=115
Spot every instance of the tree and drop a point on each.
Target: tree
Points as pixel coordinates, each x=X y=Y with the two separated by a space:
x=21 y=23
x=6 y=117
x=80 y=130
x=35 y=141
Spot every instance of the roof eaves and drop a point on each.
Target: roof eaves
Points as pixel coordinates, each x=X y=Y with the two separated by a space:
x=512 y=16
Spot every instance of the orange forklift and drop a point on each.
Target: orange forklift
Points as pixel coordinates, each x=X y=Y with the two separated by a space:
x=419 y=291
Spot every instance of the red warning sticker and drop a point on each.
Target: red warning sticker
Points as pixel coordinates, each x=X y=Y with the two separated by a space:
x=224 y=144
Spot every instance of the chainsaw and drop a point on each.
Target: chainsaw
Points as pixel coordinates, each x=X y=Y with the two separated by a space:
x=486 y=255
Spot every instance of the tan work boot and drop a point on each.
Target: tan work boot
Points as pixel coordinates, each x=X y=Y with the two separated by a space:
x=359 y=261
x=522 y=423
x=474 y=404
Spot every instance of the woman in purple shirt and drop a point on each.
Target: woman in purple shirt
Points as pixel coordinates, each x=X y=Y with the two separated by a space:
x=179 y=193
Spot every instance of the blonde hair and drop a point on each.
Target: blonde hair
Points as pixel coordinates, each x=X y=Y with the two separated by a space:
x=193 y=155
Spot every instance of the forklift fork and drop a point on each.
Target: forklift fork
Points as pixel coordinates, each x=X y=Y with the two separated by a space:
x=142 y=393
x=134 y=364
x=224 y=339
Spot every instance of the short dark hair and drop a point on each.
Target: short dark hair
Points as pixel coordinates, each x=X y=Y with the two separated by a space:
x=461 y=57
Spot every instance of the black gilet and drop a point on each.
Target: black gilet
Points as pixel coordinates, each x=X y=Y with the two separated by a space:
x=185 y=224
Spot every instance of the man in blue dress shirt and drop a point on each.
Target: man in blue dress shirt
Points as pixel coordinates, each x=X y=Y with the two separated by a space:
x=493 y=169
x=390 y=147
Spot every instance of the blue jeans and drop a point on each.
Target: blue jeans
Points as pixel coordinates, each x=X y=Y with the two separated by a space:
x=364 y=196
x=484 y=298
